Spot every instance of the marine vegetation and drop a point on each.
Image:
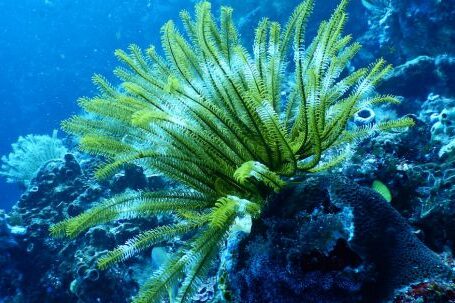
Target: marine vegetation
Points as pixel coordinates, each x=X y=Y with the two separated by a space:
x=210 y=115
x=28 y=155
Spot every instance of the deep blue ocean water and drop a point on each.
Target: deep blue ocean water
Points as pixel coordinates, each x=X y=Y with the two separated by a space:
x=50 y=49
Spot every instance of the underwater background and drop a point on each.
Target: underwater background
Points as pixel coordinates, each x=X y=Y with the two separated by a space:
x=49 y=51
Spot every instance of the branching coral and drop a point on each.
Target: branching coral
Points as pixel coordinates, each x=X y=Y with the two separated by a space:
x=210 y=116
x=28 y=155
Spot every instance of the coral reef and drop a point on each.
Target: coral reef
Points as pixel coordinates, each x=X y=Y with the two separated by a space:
x=386 y=239
x=359 y=246
x=321 y=239
x=36 y=268
x=421 y=76
x=426 y=292
x=420 y=181
x=439 y=112
x=418 y=168
x=10 y=276
x=404 y=29
x=28 y=155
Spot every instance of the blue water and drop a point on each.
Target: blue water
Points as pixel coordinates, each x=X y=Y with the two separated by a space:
x=49 y=50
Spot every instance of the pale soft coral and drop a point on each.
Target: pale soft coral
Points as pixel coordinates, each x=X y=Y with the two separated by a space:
x=28 y=155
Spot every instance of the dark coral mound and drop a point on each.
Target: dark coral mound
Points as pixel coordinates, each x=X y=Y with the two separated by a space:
x=331 y=241
x=384 y=237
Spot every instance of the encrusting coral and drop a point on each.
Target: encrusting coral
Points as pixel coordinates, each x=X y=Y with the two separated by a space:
x=210 y=116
